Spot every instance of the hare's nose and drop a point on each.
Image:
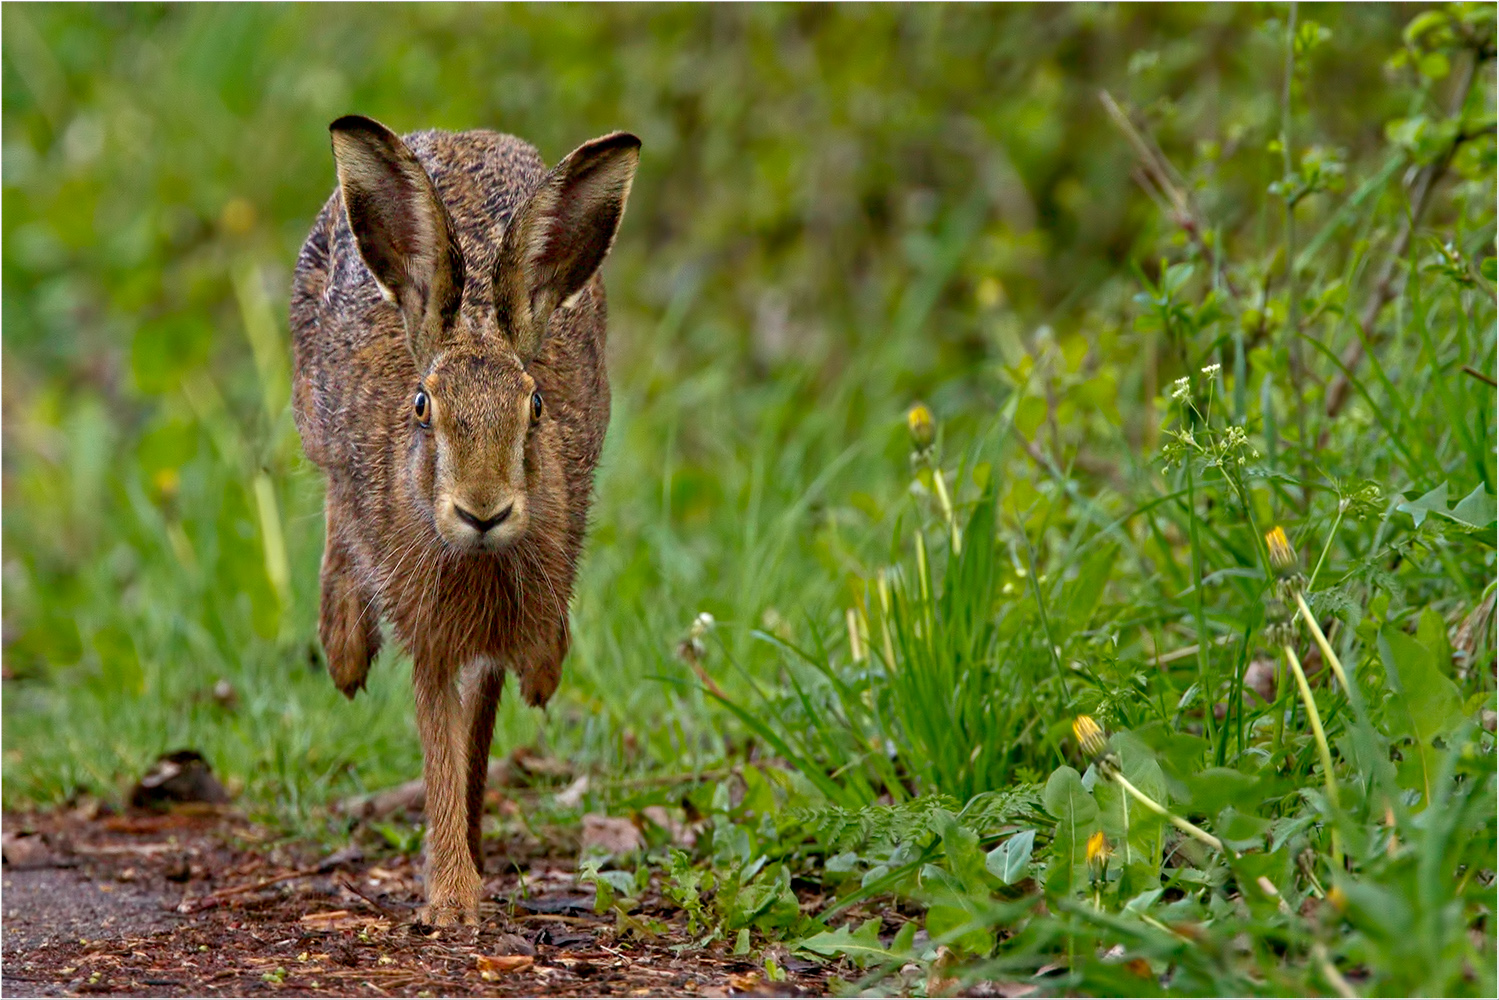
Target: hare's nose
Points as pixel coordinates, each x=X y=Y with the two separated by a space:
x=480 y=524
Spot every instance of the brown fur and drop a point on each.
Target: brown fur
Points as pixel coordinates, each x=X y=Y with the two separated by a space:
x=458 y=266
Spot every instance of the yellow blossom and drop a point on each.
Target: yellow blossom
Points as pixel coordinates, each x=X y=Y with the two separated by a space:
x=1098 y=848
x=1282 y=556
x=922 y=425
x=1089 y=735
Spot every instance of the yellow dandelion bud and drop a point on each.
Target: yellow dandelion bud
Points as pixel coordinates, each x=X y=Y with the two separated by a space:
x=1098 y=848
x=1338 y=898
x=1089 y=735
x=921 y=424
x=1282 y=556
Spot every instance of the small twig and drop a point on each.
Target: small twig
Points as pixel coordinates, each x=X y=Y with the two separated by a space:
x=1187 y=652
x=212 y=899
x=1470 y=370
x=395 y=915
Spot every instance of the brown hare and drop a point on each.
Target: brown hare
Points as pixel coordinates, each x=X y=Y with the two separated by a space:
x=447 y=323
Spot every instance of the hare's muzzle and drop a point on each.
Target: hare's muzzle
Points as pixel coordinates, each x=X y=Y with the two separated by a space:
x=482 y=526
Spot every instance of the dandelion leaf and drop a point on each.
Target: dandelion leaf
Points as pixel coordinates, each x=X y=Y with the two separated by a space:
x=1076 y=814
x=1008 y=861
x=861 y=945
x=1425 y=705
x=1474 y=511
x=1136 y=833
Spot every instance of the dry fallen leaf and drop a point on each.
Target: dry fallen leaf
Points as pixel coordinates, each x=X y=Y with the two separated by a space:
x=609 y=834
x=745 y=983
x=342 y=920
x=493 y=966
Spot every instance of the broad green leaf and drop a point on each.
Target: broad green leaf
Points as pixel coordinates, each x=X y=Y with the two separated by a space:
x=1216 y=787
x=1426 y=704
x=1241 y=831
x=905 y=938
x=1077 y=818
x=766 y=904
x=948 y=912
x=861 y=945
x=1276 y=869
x=1136 y=833
x=1008 y=861
x=960 y=845
x=1476 y=510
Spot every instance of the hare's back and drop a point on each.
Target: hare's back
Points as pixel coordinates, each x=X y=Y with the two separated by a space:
x=483 y=178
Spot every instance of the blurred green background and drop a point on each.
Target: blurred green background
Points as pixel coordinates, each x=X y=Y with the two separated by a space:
x=839 y=210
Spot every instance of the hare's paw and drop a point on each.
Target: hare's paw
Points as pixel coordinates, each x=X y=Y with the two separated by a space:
x=349 y=634
x=539 y=677
x=451 y=899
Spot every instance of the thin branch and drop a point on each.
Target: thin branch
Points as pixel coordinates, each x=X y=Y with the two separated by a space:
x=1470 y=370
x=1387 y=285
x=1164 y=183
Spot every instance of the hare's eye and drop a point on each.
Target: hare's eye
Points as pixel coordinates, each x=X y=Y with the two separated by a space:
x=535 y=407
x=423 y=409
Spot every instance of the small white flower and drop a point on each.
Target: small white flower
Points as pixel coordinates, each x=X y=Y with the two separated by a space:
x=1180 y=388
x=1212 y=370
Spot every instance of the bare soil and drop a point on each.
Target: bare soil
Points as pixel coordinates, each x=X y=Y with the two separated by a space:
x=201 y=903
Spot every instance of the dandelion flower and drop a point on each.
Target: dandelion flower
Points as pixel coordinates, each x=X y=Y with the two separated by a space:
x=1089 y=735
x=1098 y=848
x=921 y=424
x=1282 y=556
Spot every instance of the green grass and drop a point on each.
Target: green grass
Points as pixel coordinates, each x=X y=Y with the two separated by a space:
x=840 y=212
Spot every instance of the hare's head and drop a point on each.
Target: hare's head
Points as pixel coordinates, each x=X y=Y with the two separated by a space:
x=484 y=452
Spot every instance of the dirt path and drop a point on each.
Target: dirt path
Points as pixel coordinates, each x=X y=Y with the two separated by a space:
x=202 y=905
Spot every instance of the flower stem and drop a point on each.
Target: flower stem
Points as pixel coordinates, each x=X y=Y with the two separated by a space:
x=1327 y=653
x=1323 y=557
x=1149 y=803
x=947 y=510
x=1323 y=751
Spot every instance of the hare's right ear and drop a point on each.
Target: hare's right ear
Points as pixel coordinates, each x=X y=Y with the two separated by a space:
x=561 y=236
x=403 y=230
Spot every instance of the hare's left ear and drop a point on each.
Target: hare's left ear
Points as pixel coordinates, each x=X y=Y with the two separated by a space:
x=404 y=233
x=561 y=236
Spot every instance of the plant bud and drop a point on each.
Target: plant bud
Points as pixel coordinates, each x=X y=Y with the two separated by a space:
x=922 y=425
x=1282 y=556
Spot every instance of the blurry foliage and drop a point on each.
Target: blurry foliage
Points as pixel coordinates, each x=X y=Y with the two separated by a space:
x=839 y=208
x=1164 y=276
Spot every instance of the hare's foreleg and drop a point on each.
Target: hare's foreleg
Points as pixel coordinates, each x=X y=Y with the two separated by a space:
x=348 y=622
x=483 y=697
x=443 y=721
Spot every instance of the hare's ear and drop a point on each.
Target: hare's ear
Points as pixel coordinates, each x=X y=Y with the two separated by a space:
x=561 y=235
x=404 y=233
